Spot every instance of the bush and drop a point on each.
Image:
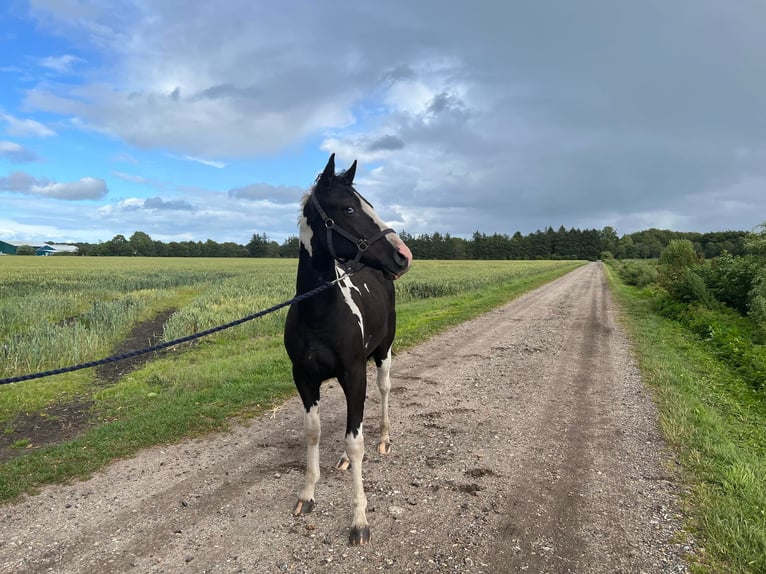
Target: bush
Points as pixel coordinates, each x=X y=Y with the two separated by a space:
x=677 y=272
x=728 y=335
x=638 y=273
x=756 y=246
x=731 y=280
x=691 y=288
x=678 y=255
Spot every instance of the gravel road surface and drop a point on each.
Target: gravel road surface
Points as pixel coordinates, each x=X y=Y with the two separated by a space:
x=523 y=441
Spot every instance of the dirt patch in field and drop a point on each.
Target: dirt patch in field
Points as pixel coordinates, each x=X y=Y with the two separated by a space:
x=143 y=335
x=524 y=441
x=64 y=421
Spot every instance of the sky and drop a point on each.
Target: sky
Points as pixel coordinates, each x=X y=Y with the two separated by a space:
x=210 y=120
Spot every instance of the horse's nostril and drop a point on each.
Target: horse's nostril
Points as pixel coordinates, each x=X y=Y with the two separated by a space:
x=401 y=259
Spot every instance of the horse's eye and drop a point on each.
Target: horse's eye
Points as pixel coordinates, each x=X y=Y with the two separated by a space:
x=349 y=210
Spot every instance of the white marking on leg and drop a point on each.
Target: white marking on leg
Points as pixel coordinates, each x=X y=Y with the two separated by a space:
x=345 y=287
x=313 y=428
x=384 y=386
x=355 y=452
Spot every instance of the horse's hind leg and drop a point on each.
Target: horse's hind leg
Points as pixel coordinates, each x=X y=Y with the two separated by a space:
x=384 y=386
x=383 y=365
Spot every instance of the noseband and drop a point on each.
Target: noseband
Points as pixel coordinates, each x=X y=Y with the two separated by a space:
x=362 y=243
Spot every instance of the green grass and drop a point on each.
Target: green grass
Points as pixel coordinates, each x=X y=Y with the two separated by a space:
x=714 y=420
x=199 y=388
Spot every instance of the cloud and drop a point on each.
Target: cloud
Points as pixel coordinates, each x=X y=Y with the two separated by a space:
x=387 y=142
x=207 y=162
x=505 y=116
x=25 y=127
x=172 y=205
x=85 y=188
x=17 y=181
x=131 y=178
x=60 y=64
x=267 y=192
x=200 y=214
x=16 y=153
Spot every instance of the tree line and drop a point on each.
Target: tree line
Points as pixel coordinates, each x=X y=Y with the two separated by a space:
x=589 y=244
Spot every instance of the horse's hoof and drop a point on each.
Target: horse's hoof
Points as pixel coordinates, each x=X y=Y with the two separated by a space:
x=384 y=448
x=303 y=507
x=359 y=536
x=343 y=464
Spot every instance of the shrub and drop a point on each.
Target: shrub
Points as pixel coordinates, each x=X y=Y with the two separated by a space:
x=756 y=246
x=639 y=273
x=691 y=288
x=677 y=272
x=731 y=279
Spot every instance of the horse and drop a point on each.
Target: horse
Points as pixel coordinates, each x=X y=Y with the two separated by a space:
x=334 y=334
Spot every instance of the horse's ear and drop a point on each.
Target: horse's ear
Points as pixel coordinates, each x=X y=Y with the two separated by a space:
x=348 y=175
x=329 y=171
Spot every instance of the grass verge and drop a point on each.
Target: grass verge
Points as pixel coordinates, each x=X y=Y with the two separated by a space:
x=714 y=420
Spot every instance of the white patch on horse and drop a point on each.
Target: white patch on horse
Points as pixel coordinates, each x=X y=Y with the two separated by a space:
x=365 y=286
x=305 y=233
x=384 y=386
x=367 y=208
x=313 y=430
x=355 y=453
x=345 y=286
x=392 y=238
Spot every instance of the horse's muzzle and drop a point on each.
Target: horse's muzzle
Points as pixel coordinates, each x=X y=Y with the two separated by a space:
x=402 y=257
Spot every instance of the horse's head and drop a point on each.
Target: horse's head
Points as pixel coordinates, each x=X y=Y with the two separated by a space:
x=340 y=222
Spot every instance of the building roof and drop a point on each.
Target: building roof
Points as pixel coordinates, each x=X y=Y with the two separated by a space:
x=44 y=246
x=58 y=247
x=20 y=243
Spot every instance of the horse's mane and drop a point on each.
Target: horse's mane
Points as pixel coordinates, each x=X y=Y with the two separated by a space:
x=306 y=195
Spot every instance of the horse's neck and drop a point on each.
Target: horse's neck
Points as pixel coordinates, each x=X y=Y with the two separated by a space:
x=314 y=271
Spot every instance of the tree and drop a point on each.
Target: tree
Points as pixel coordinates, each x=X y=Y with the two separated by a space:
x=212 y=249
x=756 y=245
x=260 y=246
x=117 y=246
x=609 y=239
x=25 y=250
x=290 y=248
x=678 y=272
x=141 y=244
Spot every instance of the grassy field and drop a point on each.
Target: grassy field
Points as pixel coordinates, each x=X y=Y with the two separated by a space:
x=713 y=417
x=58 y=311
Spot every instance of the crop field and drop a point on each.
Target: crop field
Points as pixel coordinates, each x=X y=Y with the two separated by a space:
x=60 y=311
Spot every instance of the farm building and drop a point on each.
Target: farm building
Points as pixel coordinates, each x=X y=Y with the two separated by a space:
x=11 y=248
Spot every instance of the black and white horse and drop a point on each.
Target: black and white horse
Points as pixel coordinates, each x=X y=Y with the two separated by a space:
x=334 y=333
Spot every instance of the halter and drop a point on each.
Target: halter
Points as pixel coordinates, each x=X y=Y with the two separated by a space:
x=362 y=244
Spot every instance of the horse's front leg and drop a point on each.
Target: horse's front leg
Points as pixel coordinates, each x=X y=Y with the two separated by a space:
x=309 y=392
x=355 y=389
x=384 y=386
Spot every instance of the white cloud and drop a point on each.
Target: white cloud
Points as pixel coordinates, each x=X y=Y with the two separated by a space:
x=85 y=188
x=207 y=162
x=266 y=192
x=131 y=178
x=60 y=64
x=504 y=116
x=25 y=127
x=16 y=153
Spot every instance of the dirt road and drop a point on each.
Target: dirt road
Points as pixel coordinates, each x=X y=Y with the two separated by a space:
x=523 y=442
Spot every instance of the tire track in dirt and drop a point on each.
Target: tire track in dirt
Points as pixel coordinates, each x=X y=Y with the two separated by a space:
x=523 y=441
